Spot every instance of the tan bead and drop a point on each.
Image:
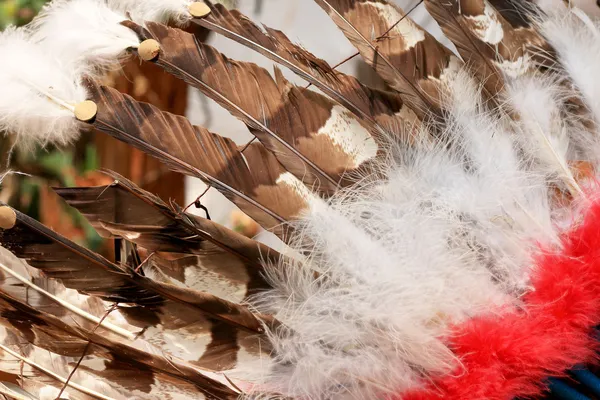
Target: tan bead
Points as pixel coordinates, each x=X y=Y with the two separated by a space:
x=199 y=9
x=8 y=218
x=149 y=50
x=86 y=111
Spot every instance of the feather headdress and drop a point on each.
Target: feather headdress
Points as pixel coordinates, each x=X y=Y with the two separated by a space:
x=440 y=236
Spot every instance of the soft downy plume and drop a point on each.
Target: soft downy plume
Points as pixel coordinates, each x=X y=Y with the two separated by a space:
x=162 y=11
x=39 y=92
x=433 y=239
x=544 y=135
x=576 y=39
x=86 y=33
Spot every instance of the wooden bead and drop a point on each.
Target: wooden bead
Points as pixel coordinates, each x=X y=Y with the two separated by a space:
x=199 y=9
x=8 y=218
x=86 y=111
x=149 y=50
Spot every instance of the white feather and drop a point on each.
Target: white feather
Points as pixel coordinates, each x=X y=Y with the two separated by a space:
x=578 y=48
x=541 y=131
x=436 y=237
x=85 y=32
x=38 y=92
x=163 y=11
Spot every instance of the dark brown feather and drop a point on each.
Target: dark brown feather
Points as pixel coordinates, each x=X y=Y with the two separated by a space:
x=408 y=58
x=251 y=180
x=162 y=227
x=368 y=104
x=302 y=128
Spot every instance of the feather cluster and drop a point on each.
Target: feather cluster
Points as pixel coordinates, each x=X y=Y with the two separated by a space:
x=39 y=90
x=431 y=229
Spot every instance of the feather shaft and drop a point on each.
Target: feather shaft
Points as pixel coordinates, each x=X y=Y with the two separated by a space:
x=53 y=375
x=105 y=324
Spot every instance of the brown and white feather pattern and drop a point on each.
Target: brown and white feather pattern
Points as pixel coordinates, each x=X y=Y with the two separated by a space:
x=316 y=140
x=514 y=50
x=460 y=215
x=47 y=332
x=188 y=249
x=174 y=318
x=255 y=181
x=407 y=57
x=373 y=106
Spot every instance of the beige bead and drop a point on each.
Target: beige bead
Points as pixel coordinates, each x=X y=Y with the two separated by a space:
x=8 y=218
x=199 y=9
x=149 y=50
x=86 y=111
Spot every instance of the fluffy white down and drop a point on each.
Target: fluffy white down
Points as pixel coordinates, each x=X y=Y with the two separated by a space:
x=28 y=76
x=85 y=32
x=162 y=11
x=577 y=43
x=436 y=237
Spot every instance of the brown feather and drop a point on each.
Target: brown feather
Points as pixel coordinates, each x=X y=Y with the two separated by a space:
x=474 y=33
x=50 y=333
x=373 y=106
x=408 y=58
x=299 y=126
x=252 y=182
x=511 y=49
x=166 y=228
x=180 y=310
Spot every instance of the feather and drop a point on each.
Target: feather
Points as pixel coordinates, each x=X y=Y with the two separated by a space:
x=514 y=50
x=29 y=290
x=407 y=57
x=84 y=32
x=49 y=333
x=147 y=221
x=371 y=105
x=474 y=39
x=253 y=180
x=163 y=11
x=576 y=43
x=126 y=204
x=157 y=308
x=36 y=370
x=590 y=7
x=313 y=138
x=38 y=94
x=482 y=220
x=541 y=131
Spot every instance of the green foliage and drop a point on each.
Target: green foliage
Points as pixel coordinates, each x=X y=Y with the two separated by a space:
x=18 y=12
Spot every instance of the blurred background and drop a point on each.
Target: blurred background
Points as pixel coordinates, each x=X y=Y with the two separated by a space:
x=78 y=165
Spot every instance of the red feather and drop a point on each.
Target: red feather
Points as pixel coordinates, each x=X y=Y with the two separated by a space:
x=511 y=356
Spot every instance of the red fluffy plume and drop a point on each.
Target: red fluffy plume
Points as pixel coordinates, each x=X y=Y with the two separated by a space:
x=511 y=356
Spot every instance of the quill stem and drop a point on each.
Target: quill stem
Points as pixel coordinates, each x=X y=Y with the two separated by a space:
x=53 y=375
x=105 y=324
